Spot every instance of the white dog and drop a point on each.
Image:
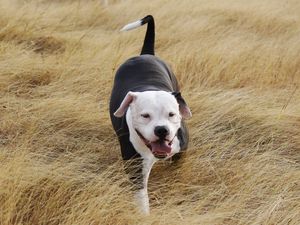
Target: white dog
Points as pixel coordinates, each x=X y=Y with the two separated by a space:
x=147 y=112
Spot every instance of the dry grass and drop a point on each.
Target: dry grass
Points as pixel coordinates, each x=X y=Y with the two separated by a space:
x=239 y=67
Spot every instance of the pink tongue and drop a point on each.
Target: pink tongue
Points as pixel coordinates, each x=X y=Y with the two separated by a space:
x=160 y=147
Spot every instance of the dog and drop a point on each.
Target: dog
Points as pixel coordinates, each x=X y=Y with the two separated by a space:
x=147 y=112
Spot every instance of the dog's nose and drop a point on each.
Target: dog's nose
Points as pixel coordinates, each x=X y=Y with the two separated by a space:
x=161 y=131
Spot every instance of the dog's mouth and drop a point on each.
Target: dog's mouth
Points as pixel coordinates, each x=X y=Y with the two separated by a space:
x=160 y=148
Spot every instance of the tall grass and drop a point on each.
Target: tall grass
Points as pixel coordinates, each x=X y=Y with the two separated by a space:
x=239 y=69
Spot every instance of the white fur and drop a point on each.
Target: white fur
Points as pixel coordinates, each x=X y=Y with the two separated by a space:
x=139 y=145
x=132 y=25
x=175 y=147
x=158 y=104
x=141 y=195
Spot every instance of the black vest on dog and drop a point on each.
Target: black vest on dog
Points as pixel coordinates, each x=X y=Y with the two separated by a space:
x=138 y=74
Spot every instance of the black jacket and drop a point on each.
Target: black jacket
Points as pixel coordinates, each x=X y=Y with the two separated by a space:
x=137 y=74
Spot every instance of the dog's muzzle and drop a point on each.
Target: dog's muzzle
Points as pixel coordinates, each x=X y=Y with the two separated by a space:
x=160 y=149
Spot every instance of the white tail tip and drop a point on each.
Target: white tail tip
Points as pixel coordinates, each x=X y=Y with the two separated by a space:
x=131 y=26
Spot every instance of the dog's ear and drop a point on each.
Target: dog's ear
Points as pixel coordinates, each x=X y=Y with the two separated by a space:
x=183 y=107
x=125 y=104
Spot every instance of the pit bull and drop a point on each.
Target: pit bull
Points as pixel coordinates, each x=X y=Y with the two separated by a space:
x=147 y=112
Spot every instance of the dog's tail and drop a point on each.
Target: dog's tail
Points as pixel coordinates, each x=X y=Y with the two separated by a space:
x=148 y=47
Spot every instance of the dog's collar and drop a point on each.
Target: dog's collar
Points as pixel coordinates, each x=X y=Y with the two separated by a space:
x=143 y=88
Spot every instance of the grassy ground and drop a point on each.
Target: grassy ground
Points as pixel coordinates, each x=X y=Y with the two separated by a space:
x=239 y=68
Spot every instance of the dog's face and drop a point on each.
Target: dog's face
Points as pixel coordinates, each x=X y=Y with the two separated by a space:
x=155 y=117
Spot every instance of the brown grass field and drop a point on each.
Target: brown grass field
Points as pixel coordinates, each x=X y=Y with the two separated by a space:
x=238 y=63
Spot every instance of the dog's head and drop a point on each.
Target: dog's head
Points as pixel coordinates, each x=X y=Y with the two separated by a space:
x=155 y=117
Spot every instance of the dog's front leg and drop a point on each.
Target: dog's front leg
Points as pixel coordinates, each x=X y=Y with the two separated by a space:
x=139 y=172
x=141 y=195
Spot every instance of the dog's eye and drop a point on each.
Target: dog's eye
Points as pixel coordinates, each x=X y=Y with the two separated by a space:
x=145 y=115
x=171 y=114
